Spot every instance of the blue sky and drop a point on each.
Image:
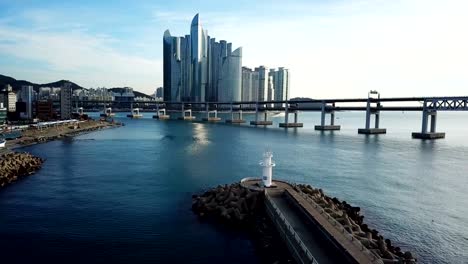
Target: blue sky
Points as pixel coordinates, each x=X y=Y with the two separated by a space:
x=333 y=48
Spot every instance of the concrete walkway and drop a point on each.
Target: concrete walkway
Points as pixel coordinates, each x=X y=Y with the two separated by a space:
x=314 y=244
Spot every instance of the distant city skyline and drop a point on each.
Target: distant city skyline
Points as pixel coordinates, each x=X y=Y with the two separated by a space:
x=333 y=48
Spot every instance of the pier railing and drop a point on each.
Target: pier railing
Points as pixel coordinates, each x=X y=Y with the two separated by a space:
x=285 y=225
x=341 y=229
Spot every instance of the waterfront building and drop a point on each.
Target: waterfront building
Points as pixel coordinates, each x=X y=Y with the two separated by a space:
x=263 y=76
x=3 y=114
x=66 y=107
x=262 y=84
x=198 y=68
x=124 y=95
x=281 y=78
x=247 y=79
x=45 y=110
x=159 y=93
x=26 y=97
x=11 y=100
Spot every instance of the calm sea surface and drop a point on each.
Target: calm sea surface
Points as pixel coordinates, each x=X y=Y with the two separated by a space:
x=124 y=195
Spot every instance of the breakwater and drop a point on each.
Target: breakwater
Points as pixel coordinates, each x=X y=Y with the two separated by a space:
x=16 y=165
x=237 y=204
x=230 y=203
x=35 y=136
x=353 y=222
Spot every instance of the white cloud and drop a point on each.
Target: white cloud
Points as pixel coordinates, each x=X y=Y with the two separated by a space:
x=86 y=59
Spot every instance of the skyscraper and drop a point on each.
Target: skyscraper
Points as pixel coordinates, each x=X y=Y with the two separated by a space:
x=281 y=79
x=265 y=85
x=199 y=69
x=262 y=83
x=25 y=95
x=66 y=101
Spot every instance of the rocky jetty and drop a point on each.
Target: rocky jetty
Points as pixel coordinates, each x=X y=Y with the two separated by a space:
x=353 y=222
x=66 y=132
x=15 y=165
x=242 y=209
x=231 y=203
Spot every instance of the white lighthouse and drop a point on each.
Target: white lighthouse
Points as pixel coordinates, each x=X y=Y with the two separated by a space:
x=267 y=165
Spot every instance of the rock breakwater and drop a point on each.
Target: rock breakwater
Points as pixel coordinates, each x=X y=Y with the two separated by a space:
x=353 y=222
x=16 y=165
x=230 y=203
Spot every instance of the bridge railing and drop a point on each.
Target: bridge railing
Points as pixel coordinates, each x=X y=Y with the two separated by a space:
x=341 y=229
x=287 y=226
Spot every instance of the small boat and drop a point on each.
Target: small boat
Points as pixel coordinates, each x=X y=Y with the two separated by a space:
x=2 y=143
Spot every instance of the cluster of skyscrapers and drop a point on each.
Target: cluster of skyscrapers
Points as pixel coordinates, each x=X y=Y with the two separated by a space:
x=197 y=68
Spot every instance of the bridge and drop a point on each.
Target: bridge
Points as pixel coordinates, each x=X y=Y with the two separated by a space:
x=372 y=106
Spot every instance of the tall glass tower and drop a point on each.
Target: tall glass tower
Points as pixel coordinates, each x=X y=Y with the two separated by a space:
x=199 y=69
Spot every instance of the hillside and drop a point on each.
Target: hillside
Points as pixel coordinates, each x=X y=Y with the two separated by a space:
x=16 y=84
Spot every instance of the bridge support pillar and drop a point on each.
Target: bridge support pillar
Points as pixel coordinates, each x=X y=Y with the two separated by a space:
x=369 y=112
x=212 y=118
x=331 y=126
x=233 y=120
x=161 y=114
x=286 y=123
x=184 y=115
x=263 y=122
x=432 y=134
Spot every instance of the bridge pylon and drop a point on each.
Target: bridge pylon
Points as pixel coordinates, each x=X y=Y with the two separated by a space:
x=234 y=120
x=331 y=112
x=184 y=113
x=369 y=112
x=432 y=134
x=263 y=122
x=286 y=123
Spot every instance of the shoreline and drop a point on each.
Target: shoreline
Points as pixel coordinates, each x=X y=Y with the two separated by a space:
x=15 y=165
x=33 y=137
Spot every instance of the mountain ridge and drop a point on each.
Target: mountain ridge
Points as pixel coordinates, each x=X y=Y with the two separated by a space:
x=16 y=85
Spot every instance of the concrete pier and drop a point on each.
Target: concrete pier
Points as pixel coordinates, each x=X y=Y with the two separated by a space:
x=186 y=117
x=331 y=126
x=234 y=120
x=376 y=113
x=161 y=115
x=432 y=134
x=310 y=233
x=263 y=122
x=286 y=123
x=211 y=118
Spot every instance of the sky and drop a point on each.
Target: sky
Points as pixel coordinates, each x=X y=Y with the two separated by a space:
x=333 y=48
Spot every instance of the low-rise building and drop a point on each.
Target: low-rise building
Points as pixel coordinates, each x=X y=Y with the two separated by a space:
x=45 y=110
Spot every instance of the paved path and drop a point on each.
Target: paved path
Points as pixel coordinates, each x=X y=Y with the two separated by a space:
x=314 y=244
x=311 y=226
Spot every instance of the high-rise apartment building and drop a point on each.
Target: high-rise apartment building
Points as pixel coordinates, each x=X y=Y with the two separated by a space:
x=198 y=68
x=11 y=99
x=265 y=85
x=281 y=78
x=263 y=76
x=66 y=95
x=159 y=93
x=26 y=96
